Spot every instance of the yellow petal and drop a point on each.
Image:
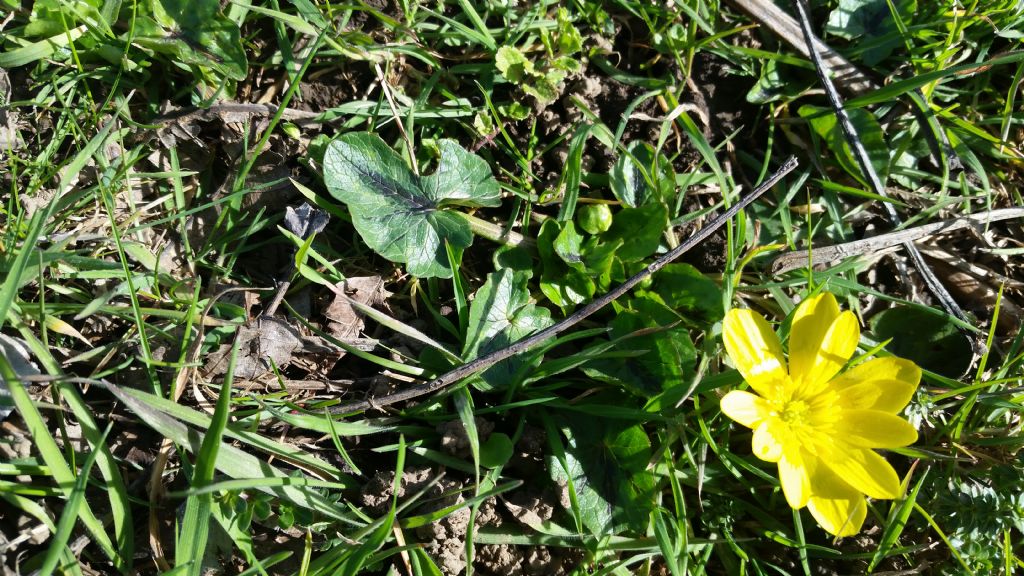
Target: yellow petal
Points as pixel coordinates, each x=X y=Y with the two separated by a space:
x=746 y=408
x=811 y=322
x=767 y=443
x=840 y=516
x=754 y=349
x=865 y=471
x=794 y=475
x=834 y=349
x=838 y=507
x=885 y=384
x=875 y=429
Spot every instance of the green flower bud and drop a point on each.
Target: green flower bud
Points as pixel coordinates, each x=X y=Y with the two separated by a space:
x=594 y=218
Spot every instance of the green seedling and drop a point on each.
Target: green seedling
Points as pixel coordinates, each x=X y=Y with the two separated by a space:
x=542 y=78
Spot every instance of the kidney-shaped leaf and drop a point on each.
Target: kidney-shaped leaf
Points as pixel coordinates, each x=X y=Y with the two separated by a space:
x=400 y=215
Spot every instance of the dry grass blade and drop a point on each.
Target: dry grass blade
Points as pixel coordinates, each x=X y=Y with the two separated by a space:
x=799 y=258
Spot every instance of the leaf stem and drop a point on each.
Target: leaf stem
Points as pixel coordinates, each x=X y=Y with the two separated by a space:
x=495 y=233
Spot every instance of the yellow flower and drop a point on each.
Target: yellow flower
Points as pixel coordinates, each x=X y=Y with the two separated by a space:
x=821 y=428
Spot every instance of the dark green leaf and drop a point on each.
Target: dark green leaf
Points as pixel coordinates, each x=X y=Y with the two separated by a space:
x=568 y=246
x=496 y=451
x=196 y=33
x=563 y=285
x=599 y=258
x=927 y=338
x=400 y=214
x=501 y=314
x=665 y=356
x=873 y=20
x=824 y=124
x=641 y=175
x=693 y=295
x=639 y=230
x=52 y=17
x=776 y=84
x=515 y=258
x=607 y=463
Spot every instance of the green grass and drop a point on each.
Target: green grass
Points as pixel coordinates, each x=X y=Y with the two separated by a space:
x=137 y=237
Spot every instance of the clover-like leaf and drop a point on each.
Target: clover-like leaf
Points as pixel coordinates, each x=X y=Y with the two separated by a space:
x=401 y=215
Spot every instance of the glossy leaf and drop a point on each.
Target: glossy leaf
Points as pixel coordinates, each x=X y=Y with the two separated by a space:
x=641 y=175
x=931 y=340
x=502 y=313
x=824 y=124
x=639 y=230
x=872 y=20
x=401 y=215
x=496 y=450
x=194 y=32
x=693 y=295
x=607 y=463
x=662 y=359
x=565 y=286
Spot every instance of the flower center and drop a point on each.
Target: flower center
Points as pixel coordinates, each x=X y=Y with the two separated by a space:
x=794 y=413
x=805 y=419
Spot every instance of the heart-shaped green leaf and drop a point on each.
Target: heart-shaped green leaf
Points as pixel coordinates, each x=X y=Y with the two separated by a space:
x=930 y=340
x=501 y=314
x=400 y=215
x=196 y=33
x=606 y=463
x=639 y=229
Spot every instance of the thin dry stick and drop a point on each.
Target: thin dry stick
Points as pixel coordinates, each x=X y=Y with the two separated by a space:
x=849 y=78
x=934 y=286
x=532 y=341
x=783 y=25
x=800 y=258
x=230 y=110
